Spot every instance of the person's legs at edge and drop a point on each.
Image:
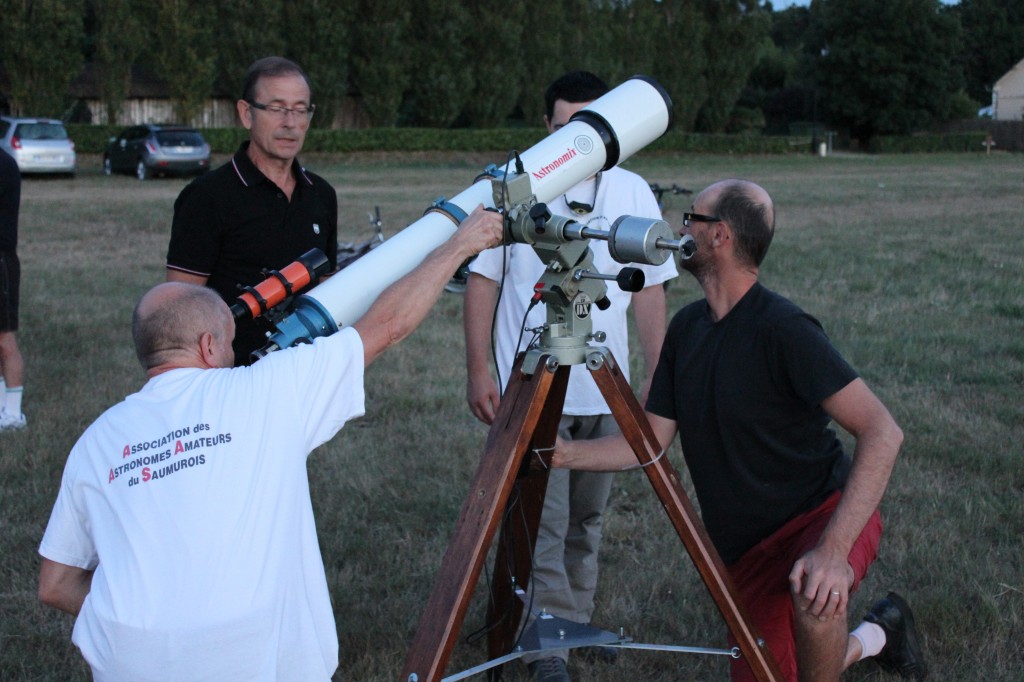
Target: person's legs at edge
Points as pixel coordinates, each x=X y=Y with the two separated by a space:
x=12 y=365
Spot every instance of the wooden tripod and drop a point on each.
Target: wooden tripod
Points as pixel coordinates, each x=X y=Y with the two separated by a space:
x=526 y=423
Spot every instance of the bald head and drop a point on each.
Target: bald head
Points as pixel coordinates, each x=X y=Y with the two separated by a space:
x=749 y=211
x=172 y=320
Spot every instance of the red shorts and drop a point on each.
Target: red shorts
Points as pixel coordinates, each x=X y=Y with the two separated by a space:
x=762 y=579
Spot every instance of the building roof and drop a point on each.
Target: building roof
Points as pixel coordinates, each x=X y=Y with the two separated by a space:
x=1013 y=75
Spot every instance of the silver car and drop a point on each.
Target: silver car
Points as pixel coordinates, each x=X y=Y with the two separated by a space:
x=39 y=145
x=149 y=150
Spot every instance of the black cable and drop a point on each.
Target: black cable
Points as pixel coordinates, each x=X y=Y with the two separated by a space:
x=515 y=504
x=515 y=497
x=504 y=265
x=522 y=327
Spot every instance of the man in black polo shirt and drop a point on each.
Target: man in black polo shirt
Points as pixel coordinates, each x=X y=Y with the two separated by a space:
x=262 y=210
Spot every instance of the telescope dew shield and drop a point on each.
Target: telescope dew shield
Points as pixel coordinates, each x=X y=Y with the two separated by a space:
x=605 y=132
x=625 y=121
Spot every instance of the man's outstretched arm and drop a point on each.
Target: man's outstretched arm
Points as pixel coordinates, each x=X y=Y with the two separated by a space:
x=611 y=453
x=405 y=304
x=478 y=311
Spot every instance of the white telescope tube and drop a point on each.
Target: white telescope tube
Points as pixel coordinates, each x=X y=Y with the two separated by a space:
x=599 y=136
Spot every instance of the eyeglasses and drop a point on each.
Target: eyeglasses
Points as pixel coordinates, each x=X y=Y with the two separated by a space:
x=282 y=112
x=698 y=218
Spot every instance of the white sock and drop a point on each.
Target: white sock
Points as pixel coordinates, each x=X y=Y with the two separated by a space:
x=12 y=402
x=871 y=638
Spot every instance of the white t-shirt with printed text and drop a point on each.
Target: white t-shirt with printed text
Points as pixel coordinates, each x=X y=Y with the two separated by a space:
x=190 y=499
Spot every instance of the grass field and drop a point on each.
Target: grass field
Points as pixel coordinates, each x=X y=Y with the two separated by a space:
x=914 y=264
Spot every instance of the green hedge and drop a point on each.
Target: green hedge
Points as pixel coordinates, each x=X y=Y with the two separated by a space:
x=92 y=139
x=674 y=141
x=422 y=139
x=224 y=140
x=948 y=142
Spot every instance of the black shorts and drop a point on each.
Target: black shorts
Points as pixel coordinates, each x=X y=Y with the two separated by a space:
x=10 y=279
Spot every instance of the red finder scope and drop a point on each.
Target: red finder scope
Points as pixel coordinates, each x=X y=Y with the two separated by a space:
x=280 y=284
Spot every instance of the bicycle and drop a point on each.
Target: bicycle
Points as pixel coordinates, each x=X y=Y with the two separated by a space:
x=350 y=252
x=660 y=192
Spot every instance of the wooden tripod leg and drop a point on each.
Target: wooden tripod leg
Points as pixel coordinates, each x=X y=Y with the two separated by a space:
x=521 y=409
x=513 y=561
x=665 y=481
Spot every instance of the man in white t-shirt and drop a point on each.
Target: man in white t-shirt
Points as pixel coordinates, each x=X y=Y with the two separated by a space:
x=565 y=557
x=183 y=535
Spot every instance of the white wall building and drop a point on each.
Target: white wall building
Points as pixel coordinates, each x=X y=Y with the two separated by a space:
x=1008 y=95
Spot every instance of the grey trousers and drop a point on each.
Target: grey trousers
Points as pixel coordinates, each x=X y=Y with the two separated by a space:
x=564 y=575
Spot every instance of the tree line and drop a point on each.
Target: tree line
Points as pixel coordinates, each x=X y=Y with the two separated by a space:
x=865 y=66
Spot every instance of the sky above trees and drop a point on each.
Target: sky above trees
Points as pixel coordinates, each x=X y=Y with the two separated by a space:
x=783 y=4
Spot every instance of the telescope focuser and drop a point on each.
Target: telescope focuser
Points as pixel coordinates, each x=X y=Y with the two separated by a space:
x=630 y=239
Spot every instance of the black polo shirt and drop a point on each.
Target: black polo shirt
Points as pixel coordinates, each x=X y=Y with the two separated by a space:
x=233 y=223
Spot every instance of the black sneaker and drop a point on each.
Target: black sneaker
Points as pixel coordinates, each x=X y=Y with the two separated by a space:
x=902 y=653
x=549 y=670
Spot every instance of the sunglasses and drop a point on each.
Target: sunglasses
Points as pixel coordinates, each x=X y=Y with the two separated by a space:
x=698 y=218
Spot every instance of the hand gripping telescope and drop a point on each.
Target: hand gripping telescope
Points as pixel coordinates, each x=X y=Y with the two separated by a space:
x=599 y=136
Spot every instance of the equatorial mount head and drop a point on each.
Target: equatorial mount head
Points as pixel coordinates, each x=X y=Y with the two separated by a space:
x=570 y=284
